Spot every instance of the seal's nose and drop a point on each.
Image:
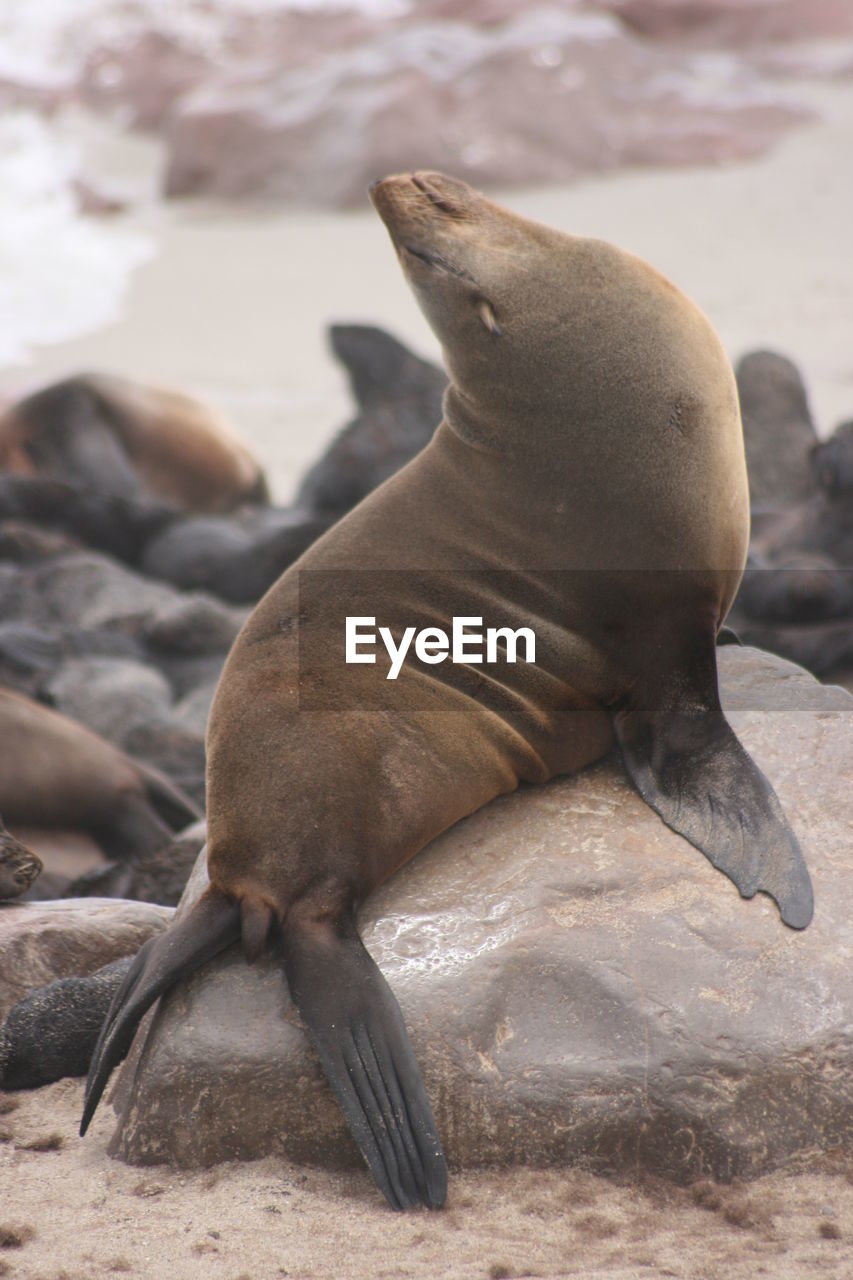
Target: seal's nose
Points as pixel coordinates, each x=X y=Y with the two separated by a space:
x=442 y=191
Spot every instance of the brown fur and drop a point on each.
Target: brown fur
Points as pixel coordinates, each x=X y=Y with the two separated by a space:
x=19 y=866
x=179 y=449
x=56 y=773
x=606 y=435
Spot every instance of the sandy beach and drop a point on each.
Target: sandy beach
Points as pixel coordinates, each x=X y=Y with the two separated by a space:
x=80 y=1216
x=231 y=303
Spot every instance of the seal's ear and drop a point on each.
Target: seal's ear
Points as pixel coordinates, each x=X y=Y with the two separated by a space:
x=487 y=315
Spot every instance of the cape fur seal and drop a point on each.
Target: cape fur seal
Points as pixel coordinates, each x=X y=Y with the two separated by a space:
x=125 y=438
x=19 y=866
x=588 y=480
x=56 y=773
x=236 y=555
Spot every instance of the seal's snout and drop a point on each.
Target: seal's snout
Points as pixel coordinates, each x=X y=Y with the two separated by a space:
x=443 y=193
x=421 y=193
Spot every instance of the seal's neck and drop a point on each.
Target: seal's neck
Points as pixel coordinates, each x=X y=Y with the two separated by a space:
x=462 y=417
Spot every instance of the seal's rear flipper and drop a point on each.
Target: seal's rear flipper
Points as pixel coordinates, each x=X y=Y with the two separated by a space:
x=209 y=928
x=357 y=1028
x=691 y=769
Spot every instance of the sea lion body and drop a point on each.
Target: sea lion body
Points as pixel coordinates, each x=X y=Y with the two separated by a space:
x=128 y=439
x=588 y=482
x=56 y=773
x=517 y=486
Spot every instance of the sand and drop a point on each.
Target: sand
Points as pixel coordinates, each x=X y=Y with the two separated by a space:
x=232 y=305
x=81 y=1216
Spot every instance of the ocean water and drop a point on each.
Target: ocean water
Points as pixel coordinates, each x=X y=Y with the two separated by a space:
x=61 y=274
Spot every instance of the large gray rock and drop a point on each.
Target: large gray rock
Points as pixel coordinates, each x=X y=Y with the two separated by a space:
x=90 y=590
x=309 y=103
x=72 y=937
x=111 y=696
x=545 y=96
x=581 y=986
x=734 y=22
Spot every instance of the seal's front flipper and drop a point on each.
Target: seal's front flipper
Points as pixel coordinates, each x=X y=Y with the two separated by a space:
x=209 y=928
x=689 y=766
x=357 y=1028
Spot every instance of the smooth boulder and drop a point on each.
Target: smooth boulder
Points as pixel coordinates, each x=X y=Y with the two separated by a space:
x=580 y=985
x=69 y=937
x=545 y=96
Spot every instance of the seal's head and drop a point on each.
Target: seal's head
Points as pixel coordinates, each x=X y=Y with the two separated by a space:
x=19 y=866
x=537 y=322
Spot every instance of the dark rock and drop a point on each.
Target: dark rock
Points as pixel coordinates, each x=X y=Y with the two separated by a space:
x=53 y=1031
x=796 y=598
x=121 y=647
x=192 y=712
x=131 y=705
x=236 y=559
x=580 y=985
x=196 y=553
x=44 y=516
x=41 y=941
x=27 y=655
x=187 y=673
x=88 y=590
x=22 y=541
x=110 y=696
x=194 y=626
